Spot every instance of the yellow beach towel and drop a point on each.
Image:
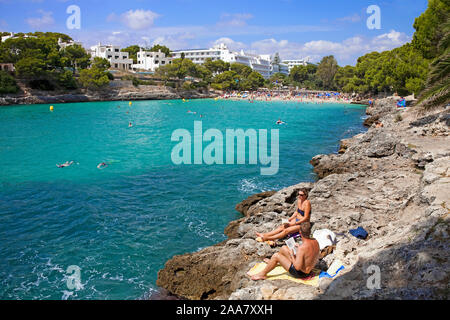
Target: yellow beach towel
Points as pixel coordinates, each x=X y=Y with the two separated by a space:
x=280 y=274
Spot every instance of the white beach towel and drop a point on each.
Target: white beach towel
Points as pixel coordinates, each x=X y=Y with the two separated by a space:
x=325 y=238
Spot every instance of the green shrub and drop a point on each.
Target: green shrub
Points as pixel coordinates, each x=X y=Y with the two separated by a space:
x=67 y=81
x=110 y=76
x=136 y=82
x=188 y=86
x=201 y=84
x=7 y=83
x=216 y=86
x=398 y=117
x=93 y=78
x=148 y=83
x=128 y=78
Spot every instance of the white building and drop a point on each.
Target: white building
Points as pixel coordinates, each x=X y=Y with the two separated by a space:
x=118 y=59
x=150 y=61
x=12 y=35
x=276 y=68
x=281 y=68
x=221 y=52
x=296 y=62
x=4 y=38
x=62 y=45
x=256 y=62
x=199 y=56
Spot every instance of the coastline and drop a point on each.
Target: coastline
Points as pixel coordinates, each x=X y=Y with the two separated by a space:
x=113 y=93
x=389 y=180
x=125 y=91
x=303 y=100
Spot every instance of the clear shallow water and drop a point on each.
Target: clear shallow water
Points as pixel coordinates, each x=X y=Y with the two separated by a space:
x=121 y=224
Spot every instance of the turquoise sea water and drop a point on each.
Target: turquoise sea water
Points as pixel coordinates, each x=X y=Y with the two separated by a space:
x=121 y=224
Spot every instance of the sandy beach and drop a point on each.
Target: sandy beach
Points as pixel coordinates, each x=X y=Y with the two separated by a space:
x=300 y=97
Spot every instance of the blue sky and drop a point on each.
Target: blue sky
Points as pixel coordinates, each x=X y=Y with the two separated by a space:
x=294 y=28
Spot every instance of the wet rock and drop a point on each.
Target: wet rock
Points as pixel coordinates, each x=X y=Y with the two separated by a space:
x=371 y=120
x=250 y=201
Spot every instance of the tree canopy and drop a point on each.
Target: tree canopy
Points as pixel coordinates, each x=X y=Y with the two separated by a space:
x=39 y=60
x=326 y=70
x=97 y=76
x=217 y=66
x=7 y=83
x=163 y=49
x=432 y=38
x=75 y=57
x=132 y=50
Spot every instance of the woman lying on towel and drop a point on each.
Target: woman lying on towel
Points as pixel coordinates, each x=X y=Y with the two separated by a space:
x=302 y=214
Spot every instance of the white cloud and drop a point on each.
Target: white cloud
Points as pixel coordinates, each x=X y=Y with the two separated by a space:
x=269 y=46
x=234 y=20
x=353 y=18
x=44 y=21
x=177 y=41
x=388 y=40
x=138 y=19
x=231 y=44
x=346 y=51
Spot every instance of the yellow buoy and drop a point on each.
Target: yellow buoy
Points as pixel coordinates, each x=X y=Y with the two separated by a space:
x=51 y=108
x=130 y=103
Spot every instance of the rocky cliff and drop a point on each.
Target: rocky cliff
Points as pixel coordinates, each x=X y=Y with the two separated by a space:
x=393 y=181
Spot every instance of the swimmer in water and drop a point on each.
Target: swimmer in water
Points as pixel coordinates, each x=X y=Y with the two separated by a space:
x=65 y=165
x=102 y=165
x=130 y=125
x=279 y=122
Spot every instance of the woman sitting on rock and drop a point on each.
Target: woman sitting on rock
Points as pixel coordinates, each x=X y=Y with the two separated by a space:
x=302 y=214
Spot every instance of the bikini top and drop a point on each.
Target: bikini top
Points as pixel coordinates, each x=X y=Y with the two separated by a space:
x=302 y=213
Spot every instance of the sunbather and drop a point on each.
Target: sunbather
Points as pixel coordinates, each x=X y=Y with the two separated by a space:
x=302 y=214
x=299 y=265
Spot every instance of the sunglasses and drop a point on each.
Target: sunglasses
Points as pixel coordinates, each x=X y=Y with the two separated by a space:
x=301 y=194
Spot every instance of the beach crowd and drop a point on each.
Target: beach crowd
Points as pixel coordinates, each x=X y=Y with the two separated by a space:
x=293 y=96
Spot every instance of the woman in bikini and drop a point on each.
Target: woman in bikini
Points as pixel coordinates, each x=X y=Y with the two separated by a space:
x=302 y=214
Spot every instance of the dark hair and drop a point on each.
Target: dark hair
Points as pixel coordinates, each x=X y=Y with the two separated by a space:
x=305 y=229
x=305 y=191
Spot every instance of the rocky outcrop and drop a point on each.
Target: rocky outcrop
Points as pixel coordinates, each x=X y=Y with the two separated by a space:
x=250 y=201
x=113 y=93
x=392 y=181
